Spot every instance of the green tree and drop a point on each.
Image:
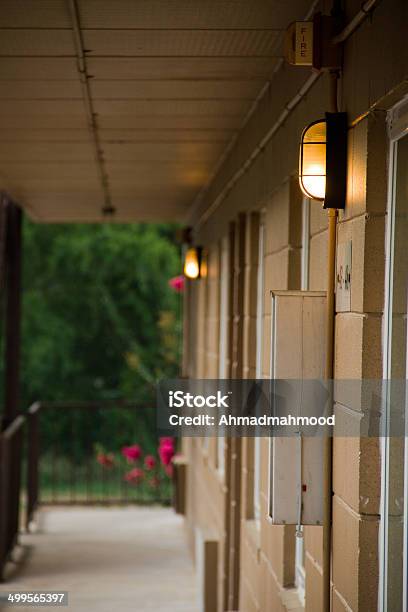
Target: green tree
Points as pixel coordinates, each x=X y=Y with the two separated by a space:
x=99 y=319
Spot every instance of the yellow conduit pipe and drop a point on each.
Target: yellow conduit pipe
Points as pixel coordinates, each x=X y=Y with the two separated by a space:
x=328 y=446
x=329 y=372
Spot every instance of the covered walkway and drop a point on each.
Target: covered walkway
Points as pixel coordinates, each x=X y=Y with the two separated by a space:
x=109 y=559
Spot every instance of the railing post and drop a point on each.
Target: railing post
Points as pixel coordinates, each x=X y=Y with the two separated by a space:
x=33 y=446
x=4 y=503
x=13 y=250
x=11 y=440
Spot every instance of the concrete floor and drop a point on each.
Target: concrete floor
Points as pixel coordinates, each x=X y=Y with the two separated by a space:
x=109 y=559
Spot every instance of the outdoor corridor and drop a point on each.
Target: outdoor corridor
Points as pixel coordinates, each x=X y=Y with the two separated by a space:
x=108 y=559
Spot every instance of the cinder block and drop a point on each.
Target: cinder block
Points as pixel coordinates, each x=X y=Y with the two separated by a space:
x=250 y=570
x=318 y=218
x=338 y=603
x=377 y=162
x=355 y=556
x=250 y=290
x=249 y=345
x=356 y=188
x=264 y=482
x=277 y=220
x=314 y=587
x=252 y=239
x=314 y=543
x=295 y=212
x=294 y=268
x=247 y=600
x=357 y=472
x=276 y=275
x=270 y=594
x=278 y=545
x=212 y=333
x=372 y=366
x=374 y=264
x=318 y=262
x=348 y=346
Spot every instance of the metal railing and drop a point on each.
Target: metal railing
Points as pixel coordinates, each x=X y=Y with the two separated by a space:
x=11 y=446
x=75 y=455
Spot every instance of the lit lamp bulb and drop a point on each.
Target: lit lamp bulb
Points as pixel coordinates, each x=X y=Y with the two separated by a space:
x=312 y=161
x=192 y=263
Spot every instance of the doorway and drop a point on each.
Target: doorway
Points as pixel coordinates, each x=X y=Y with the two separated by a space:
x=394 y=506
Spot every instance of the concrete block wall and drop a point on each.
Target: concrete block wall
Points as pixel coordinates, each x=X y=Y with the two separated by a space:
x=269 y=185
x=206 y=492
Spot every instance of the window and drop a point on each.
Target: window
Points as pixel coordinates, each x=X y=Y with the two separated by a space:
x=394 y=478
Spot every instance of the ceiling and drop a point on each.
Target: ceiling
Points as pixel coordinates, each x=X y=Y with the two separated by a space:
x=127 y=104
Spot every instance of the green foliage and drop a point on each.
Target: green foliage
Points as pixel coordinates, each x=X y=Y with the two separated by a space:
x=99 y=319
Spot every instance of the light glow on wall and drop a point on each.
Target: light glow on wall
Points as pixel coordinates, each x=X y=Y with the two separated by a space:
x=192 y=263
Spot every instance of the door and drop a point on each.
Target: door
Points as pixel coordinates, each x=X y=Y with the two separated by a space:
x=394 y=513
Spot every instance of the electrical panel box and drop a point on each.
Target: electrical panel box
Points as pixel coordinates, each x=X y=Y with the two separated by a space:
x=298 y=347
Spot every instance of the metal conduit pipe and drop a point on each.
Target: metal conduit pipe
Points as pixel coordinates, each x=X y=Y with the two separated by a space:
x=329 y=374
x=330 y=330
x=259 y=148
x=357 y=20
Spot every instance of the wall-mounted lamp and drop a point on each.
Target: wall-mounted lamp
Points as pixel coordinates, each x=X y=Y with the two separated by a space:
x=323 y=160
x=193 y=263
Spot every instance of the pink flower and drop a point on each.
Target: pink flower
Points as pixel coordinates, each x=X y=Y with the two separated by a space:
x=166 y=441
x=166 y=451
x=150 y=462
x=135 y=476
x=177 y=283
x=132 y=453
x=105 y=459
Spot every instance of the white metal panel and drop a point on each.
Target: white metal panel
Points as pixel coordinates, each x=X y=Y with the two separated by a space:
x=297 y=352
x=286 y=495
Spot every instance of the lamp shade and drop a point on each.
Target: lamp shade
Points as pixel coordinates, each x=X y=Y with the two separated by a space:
x=312 y=161
x=323 y=160
x=192 y=263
